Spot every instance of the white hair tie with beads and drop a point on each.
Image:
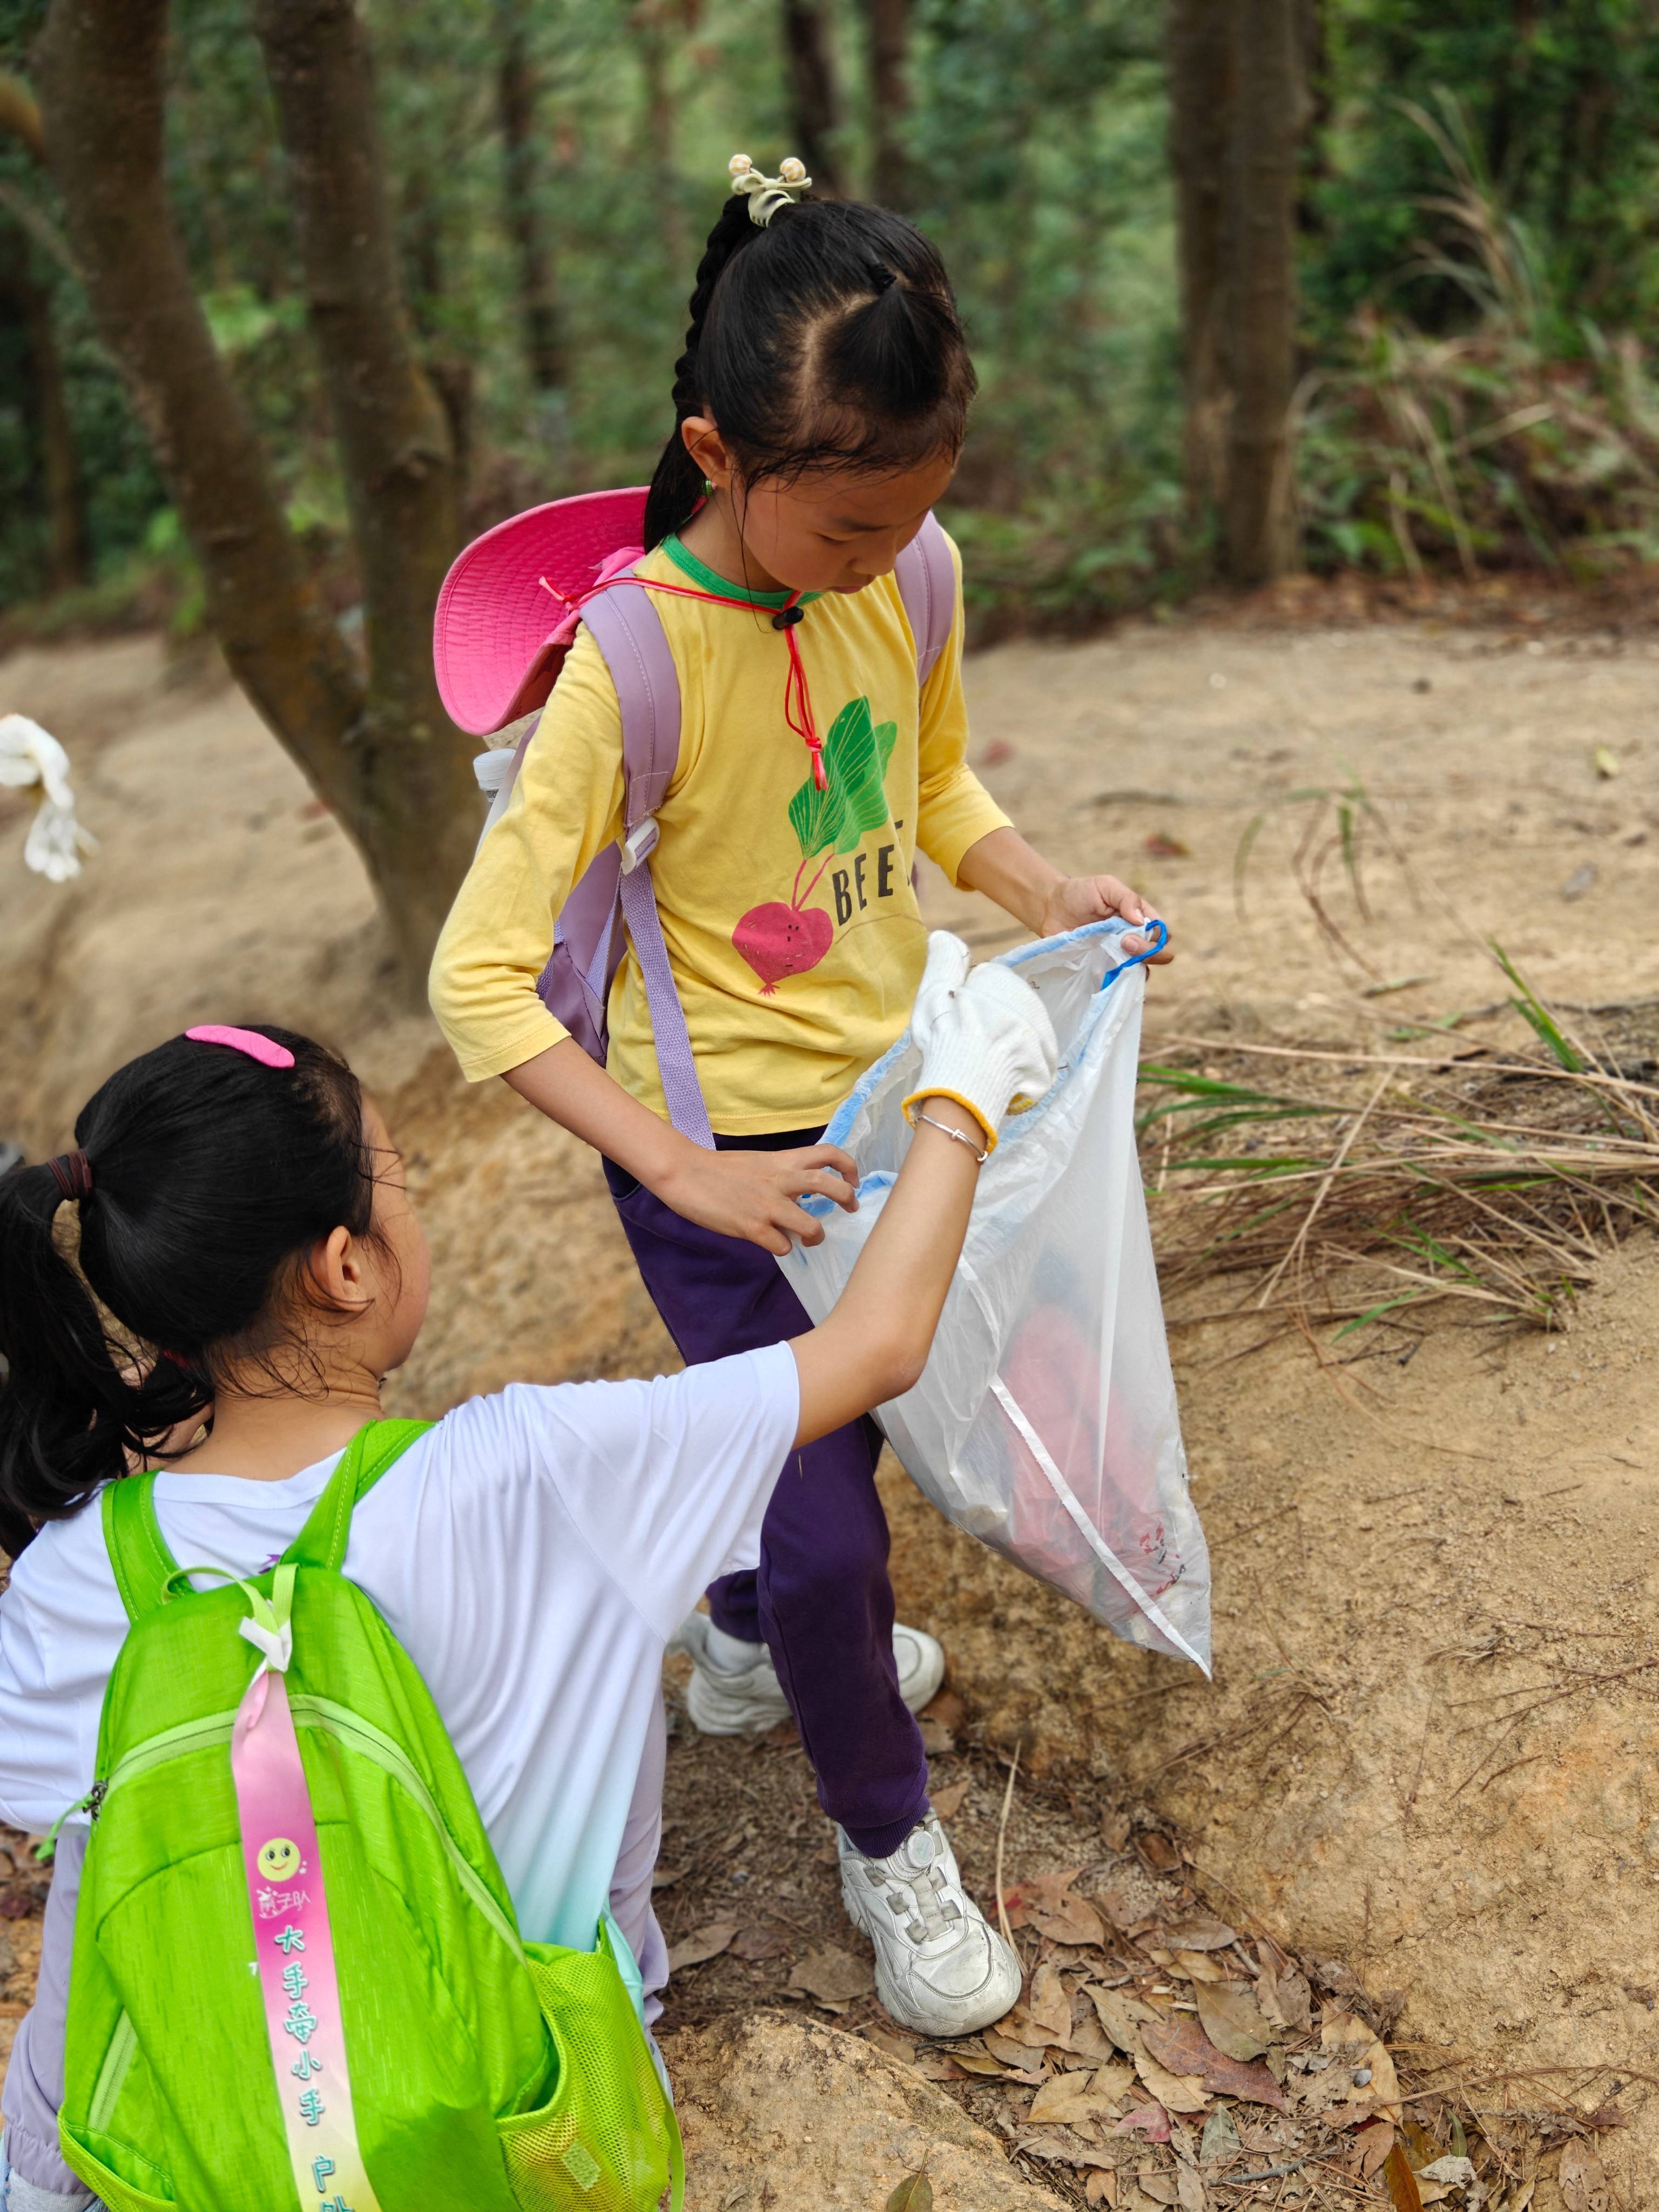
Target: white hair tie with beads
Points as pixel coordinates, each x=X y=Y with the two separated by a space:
x=768 y=194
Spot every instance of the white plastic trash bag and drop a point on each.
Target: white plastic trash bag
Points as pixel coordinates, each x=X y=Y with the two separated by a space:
x=1045 y=1422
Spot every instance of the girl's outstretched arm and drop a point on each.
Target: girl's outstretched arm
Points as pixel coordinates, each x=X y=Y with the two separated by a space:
x=1022 y=884
x=873 y=1344
x=986 y=1041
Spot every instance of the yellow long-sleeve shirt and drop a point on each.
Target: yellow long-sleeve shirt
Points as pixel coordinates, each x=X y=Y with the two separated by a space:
x=790 y=921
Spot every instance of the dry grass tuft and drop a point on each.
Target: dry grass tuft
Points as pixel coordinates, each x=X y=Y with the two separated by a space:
x=1498 y=1183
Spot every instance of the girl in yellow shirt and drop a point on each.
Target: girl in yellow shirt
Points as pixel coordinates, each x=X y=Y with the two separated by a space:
x=820 y=407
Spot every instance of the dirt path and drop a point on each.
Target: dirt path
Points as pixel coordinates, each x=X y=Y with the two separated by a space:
x=1397 y=1547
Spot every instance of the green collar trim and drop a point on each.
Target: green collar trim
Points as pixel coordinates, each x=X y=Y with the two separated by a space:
x=702 y=574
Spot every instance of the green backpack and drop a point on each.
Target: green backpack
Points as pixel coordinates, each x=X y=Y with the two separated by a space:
x=436 y=2058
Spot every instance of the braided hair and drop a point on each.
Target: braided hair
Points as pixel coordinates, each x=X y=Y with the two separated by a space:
x=828 y=339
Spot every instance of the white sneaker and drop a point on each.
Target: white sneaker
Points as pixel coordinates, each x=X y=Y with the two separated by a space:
x=940 y=1969
x=734 y=1688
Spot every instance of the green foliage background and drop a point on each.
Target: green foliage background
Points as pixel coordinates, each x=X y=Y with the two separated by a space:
x=1038 y=147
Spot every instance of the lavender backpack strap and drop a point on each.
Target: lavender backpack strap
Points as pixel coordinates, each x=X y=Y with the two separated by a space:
x=629 y=632
x=926 y=578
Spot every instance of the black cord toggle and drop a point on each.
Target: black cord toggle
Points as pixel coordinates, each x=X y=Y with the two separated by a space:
x=786 y=618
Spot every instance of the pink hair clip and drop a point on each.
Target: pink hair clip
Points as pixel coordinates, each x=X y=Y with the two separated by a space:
x=262 y=1049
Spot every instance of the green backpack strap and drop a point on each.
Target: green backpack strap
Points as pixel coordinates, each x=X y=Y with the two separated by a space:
x=322 y=1542
x=142 y=1564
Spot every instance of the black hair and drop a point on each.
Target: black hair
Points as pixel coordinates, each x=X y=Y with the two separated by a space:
x=830 y=338
x=203 y=1178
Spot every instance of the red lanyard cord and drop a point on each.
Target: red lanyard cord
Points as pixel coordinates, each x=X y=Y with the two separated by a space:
x=797 y=699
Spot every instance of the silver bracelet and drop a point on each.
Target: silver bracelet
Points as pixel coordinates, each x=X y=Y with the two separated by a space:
x=961 y=1136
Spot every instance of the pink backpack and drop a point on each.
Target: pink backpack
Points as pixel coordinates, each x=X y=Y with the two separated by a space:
x=506 y=617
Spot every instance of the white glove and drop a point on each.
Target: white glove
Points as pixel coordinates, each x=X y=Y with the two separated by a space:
x=985 y=1038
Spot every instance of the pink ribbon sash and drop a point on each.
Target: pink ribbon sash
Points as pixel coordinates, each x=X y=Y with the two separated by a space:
x=295 y=1945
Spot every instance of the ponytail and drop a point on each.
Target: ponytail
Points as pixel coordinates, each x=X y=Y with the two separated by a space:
x=69 y=1413
x=829 y=338
x=203 y=1179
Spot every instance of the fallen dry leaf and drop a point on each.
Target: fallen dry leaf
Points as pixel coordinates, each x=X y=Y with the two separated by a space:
x=1338 y=2030
x=1157 y=1851
x=934 y=2066
x=974 y=2058
x=1190 y=2193
x=1070 y=2098
x=1198 y=1966
x=1199 y=1932
x=1090 y=2040
x=936 y=1741
x=1024 y=2058
x=1120 y=2014
x=1118 y=1909
x=1049 y=2004
x=1581 y=2179
x=1176 y=2093
x=1181 y=2045
x=1150 y=2120
x=1401 y=2182
x=947 y=1803
x=1100 y=2187
x=1018 y=2027
x=705 y=1943
x=914 y=2194
x=1045 y=1902
x=756 y=1943
x=665 y=1877
x=835 y=1976
x=1232 y=2019
x=1373 y=2142
x=1353 y=2046
x=1160 y=846
x=1220 y=2139
x=1283 y=1993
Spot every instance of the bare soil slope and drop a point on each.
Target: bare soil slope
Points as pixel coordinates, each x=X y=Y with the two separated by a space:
x=1428 y=1746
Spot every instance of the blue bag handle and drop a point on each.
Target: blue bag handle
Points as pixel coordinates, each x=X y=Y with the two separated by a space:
x=1122 y=967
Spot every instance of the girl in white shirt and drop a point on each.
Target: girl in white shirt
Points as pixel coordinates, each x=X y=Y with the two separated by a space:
x=243 y=1218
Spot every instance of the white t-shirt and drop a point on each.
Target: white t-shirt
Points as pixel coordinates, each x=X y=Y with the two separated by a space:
x=532 y=1554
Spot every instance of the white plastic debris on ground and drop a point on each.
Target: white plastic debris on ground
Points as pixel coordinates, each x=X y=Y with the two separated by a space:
x=1045 y=1422
x=55 y=840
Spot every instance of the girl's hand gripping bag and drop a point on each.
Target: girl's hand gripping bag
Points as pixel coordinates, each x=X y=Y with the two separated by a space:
x=1045 y=1422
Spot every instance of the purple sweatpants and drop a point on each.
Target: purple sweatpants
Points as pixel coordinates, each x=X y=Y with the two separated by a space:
x=821 y=1601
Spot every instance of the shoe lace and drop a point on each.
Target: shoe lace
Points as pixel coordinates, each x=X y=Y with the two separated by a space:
x=921 y=1897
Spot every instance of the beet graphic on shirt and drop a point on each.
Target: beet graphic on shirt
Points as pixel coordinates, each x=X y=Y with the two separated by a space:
x=778 y=939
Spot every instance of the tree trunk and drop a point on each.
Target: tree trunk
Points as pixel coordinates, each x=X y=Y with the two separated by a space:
x=1257 y=514
x=60 y=481
x=814 y=102
x=517 y=88
x=1200 y=71
x=395 y=450
x=399 y=786
x=653 y=30
x=890 y=100
x=60 y=485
